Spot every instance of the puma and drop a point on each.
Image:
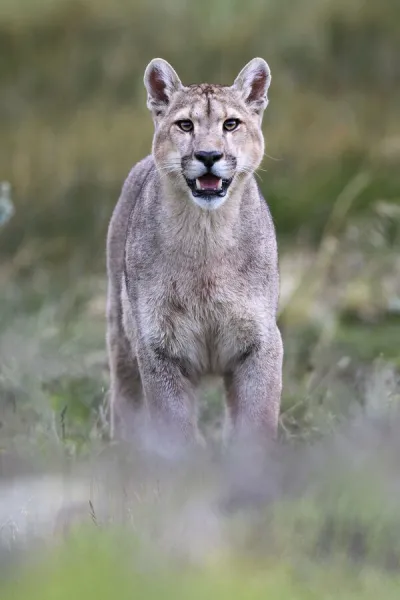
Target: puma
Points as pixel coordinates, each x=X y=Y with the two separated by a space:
x=193 y=282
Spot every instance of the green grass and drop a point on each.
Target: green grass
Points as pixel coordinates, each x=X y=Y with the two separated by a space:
x=330 y=531
x=338 y=539
x=97 y=570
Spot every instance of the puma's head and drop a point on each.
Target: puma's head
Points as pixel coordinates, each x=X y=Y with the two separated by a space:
x=207 y=138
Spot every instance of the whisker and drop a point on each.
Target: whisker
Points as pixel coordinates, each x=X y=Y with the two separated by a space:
x=165 y=167
x=172 y=163
x=272 y=157
x=173 y=172
x=169 y=169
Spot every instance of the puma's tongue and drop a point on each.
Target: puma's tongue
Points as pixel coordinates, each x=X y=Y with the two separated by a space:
x=209 y=182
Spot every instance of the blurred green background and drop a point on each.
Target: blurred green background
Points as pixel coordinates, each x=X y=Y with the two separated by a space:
x=73 y=120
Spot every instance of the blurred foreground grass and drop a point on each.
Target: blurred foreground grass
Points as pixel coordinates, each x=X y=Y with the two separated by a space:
x=96 y=569
x=331 y=531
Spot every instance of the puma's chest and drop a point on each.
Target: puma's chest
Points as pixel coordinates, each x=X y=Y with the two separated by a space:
x=204 y=318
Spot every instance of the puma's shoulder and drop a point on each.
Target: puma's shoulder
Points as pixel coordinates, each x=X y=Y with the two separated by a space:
x=136 y=178
x=119 y=223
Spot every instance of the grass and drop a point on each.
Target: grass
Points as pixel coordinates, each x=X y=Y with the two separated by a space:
x=329 y=529
x=66 y=577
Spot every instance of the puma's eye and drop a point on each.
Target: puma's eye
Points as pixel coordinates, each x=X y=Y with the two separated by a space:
x=231 y=124
x=186 y=125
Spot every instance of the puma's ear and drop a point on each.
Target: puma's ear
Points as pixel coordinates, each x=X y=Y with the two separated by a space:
x=161 y=83
x=253 y=82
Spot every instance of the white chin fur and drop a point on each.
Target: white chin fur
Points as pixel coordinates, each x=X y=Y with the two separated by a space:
x=209 y=204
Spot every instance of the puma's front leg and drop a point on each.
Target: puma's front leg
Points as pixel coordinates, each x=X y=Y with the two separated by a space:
x=169 y=395
x=253 y=389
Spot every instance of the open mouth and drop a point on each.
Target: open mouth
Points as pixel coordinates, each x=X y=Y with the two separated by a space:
x=209 y=186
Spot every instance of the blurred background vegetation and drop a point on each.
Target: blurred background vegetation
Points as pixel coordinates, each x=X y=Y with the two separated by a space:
x=73 y=120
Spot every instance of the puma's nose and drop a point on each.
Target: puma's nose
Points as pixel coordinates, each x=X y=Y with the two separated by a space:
x=208 y=158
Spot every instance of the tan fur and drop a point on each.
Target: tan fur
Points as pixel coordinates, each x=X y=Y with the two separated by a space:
x=193 y=285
